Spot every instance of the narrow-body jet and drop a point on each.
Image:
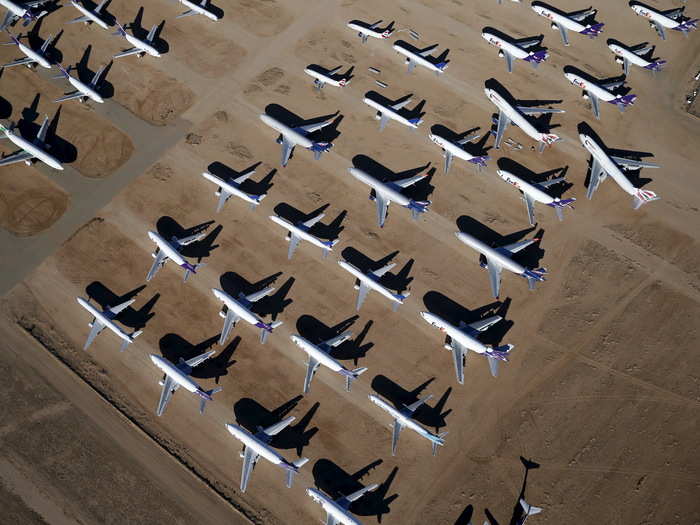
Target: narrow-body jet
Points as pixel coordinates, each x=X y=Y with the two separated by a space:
x=299 y=231
x=90 y=17
x=290 y=137
x=365 y=30
x=512 y=49
x=370 y=281
x=170 y=250
x=661 y=20
x=565 y=22
x=337 y=512
x=635 y=55
x=226 y=188
x=387 y=112
x=535 y=192
x=239 y=308
x=600 y=91
x=455 y=148
x=29 y=150
x=102 y=319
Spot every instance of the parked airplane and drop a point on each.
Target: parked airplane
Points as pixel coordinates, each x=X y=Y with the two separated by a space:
x=88 y=17
x=565 y=21
x=83 y=91
x=391 y=112
x=365 y=30
x=534 y=192
x=634 y=55
x=299 y=231
x=319 y=354
x=420 y=57
x=386 y=192
x=463 y=338
x=604 y=164
x=258 y=444
x=291 y=137
x=235 y=309
x=370 y=281
x=171 y=250
x=232 y=186
x=512 y=48
x=454 y=149
x=35 y=149
x=24 y=11
x=176 y=376
x=501 y=257
x=661 y=20
x=508 y=113
x=403 y=419
x=337 y=512
x=596 y=92
x=31 y=57
x=194 y=8
x=102 y=319
x=141 y=47
x=324 y=76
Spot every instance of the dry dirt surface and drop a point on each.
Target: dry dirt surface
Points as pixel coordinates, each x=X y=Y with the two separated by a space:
x=29 y=204
x=602 y=389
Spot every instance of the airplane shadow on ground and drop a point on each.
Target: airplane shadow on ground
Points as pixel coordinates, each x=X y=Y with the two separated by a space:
x=248 y=186
x=85 y=75
x=454 y=313
x=336 y=482
x=35 y=42
x=429 y=416
x=29 y=127
x=529 y=257
x=633 y=175
x=5 y=105
x=252 y=416
x=274 y=304
x=173 y=347
x=130 y=317
x=139 y=31
x=168 y=228
x=419 y=191
x=329 y=231
x=394 y=281
x=517 y=169
x=314 y=330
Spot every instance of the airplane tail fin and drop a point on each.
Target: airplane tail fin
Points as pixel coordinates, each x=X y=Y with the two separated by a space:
x=401 y=298
x=415 y=121
x=291 y=472
x=593 y=31
x=624 y=101
x=329 y=246
x=65 y=73
x=418 y=207
x=560 y=204
x=530 y=510
x=537 y=57
x=120 y=31
x=126 y=343
x=258 y=199
x=533 y=276
x=266 y=329
x=442 y=66
x=438 y=442
x=191 y=269
x=320 y=147
x=655 y=66
x=351 y=375
x=642 y=197
x=208 y=397
x=500 y=352
x=480 y=162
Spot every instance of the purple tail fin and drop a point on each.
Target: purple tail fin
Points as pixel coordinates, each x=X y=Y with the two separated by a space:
x=480 y=161
x=656 y=66
x=593 y=31
x=627 y=100
x=537 y=57
x=442 y=65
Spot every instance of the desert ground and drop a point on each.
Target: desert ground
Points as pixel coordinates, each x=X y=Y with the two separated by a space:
x=602 y=389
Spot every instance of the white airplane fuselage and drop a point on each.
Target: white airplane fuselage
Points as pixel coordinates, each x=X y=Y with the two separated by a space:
x=175 y=374
x=450 y=147
x=386 y=190
x=556 y=18
x=316 y=353
x=140 y=44
x=236 y=307
x=34 y=150
x=291 y=135
x=199 y=9
x=503 y=260
x=418 y=59
x=529 y=189
x=403 y=419
x=332 y=508
x=594 y=89
x=455 y=333
x=326 y=79
x=15 y=9
x=389 y=112
x=233 y=190
x=255 y=444
x=607 y=163
x=36 y=57
x=369 y=32
x=89 y=14
x=630 y=56
x=515 y=116
x=655 y=16
x=167 y=248
x=371 y=283
x=515 y=51
x=97 y=314
x=85 y=89
x=303 y=235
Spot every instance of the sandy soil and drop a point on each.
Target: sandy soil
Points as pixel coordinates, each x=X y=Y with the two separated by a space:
x=29 y=204
x=602 y=389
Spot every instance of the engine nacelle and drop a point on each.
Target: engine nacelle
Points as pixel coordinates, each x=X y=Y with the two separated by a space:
x=500 y=54
x=584 y=96
x=378 y=116
x=222 y=312
x=555 y=27
x=619 y=60
x=288 y=237
x=279 y=140
x=407 y=60
x=154 y=254
x=357 y=287
x=447 y=347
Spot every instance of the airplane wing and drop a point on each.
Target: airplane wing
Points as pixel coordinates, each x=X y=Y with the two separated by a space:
x=530 y=206
x=493 y=365
x=626 y=66
x=494 y=277
x=673 y=13
x=127 y=52
x=468 y=138
x=335 y=341
x=69 y=96
x=660 y=30
x=629 y=163
x=20 y=156
x=275 y=429
x=41 y=136
x=229 y=322
x=159 y=261
x=241 y=179
x=223 y=197
x=287 y=148
x=330 y=520
x=459 y=353
x=19 y=62
x=249 y=459
x=97 y=76
x=381 y=271
x=510 y=249
x=401 y=104
x=411 y=65
x=383 y=121
x=256 y=296
x=382 y=207
x=613 y=84
x=503 y=122
x=113 y=311
x=552 y=182
x=414 y=406
x=310 y=128
x=596 y=172
x=358 y=494
x=152 y=33
x=169 y=386
x=79 y=19
x=509 y=60
x=408 y=181
x=99 y=7
x=9 y=18
x=595 y=104
x=361 y=295
x=313 y=220
x=97 y=327
x=528 y=42
x=190 y=12
x=484 y=324
x=564 y=34
x=580 y=15
x=448 y=161
x=398 y=427
x=293 y=243
x=526 y=110
x=184 y=241
x=197 y=360
x=311 y=368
